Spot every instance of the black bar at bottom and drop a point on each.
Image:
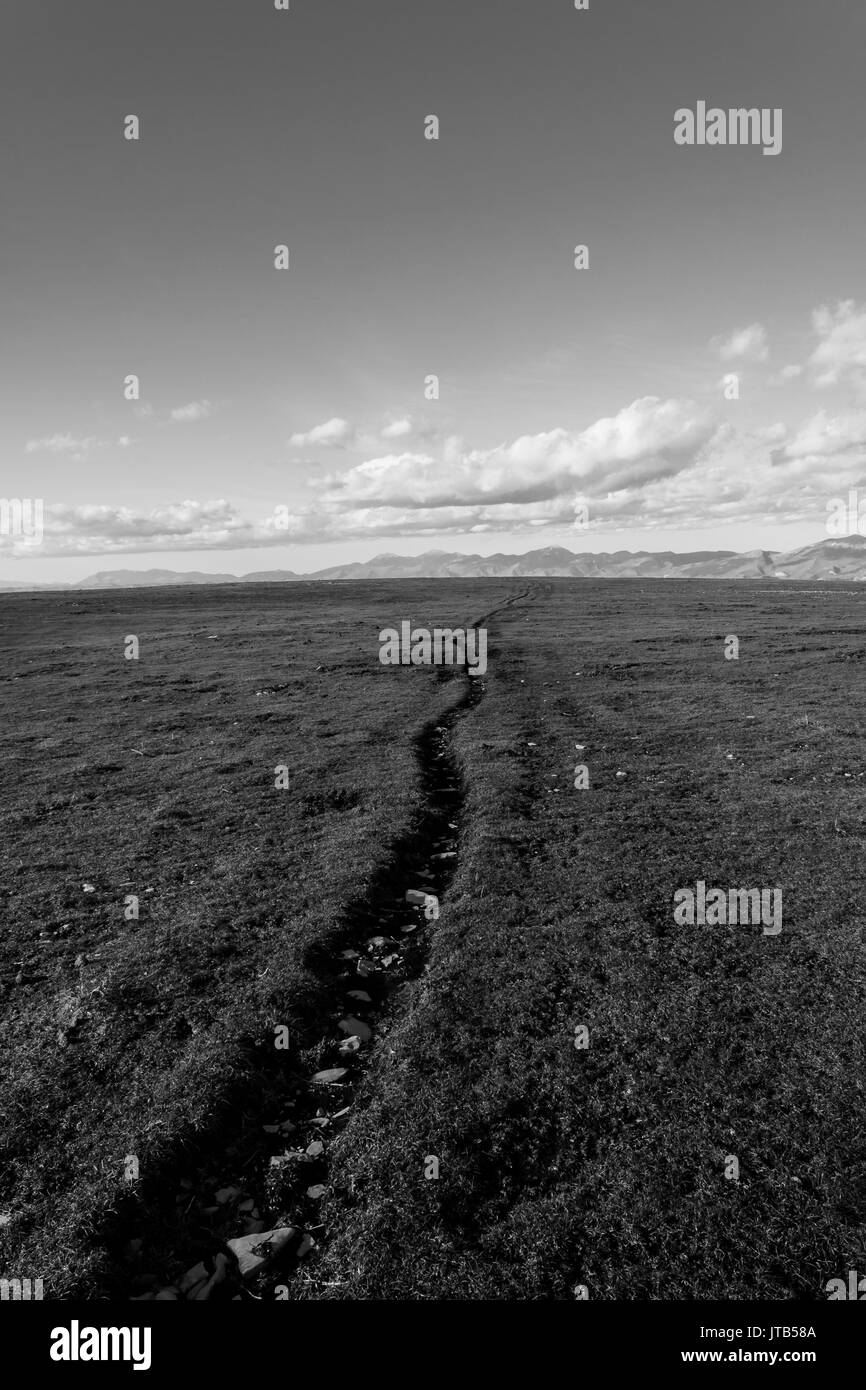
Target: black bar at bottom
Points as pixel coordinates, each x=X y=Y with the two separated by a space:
x=287 y=1339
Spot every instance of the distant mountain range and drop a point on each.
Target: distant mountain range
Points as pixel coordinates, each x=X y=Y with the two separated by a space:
x=842 y=559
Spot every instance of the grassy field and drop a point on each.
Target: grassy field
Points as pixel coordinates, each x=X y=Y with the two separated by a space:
x=156 y=778
x=601 y=1166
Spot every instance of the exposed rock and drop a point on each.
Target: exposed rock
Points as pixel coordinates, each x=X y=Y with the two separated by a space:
x=255 y=1252
x=380 y=943
x=281 y=1160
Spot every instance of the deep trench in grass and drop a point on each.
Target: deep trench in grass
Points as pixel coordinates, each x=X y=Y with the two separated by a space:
x=170 y=1221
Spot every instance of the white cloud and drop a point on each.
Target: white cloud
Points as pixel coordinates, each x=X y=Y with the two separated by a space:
x=59 y=444
x=789 y=373
x=655 y=464
x=398 y=429
x=744 y=345
x=647 y=439
x=76 y=448
x=829 y=437
x=195 y=410
x=107 y=530
x=336 y=433
x=841 y=352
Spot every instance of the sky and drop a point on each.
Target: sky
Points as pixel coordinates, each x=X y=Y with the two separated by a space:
x=701 y=384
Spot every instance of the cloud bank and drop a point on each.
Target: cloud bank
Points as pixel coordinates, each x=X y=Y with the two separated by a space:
x=655 y=464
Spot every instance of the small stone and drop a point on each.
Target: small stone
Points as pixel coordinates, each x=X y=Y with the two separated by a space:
x=227 y=1194
x=168 y=1295
x=254 y=1252
x=380 y=943
x=329 y=1076
x=315 y=1149
x=361 y=994
x=348 y=1046
x=318 y=1190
